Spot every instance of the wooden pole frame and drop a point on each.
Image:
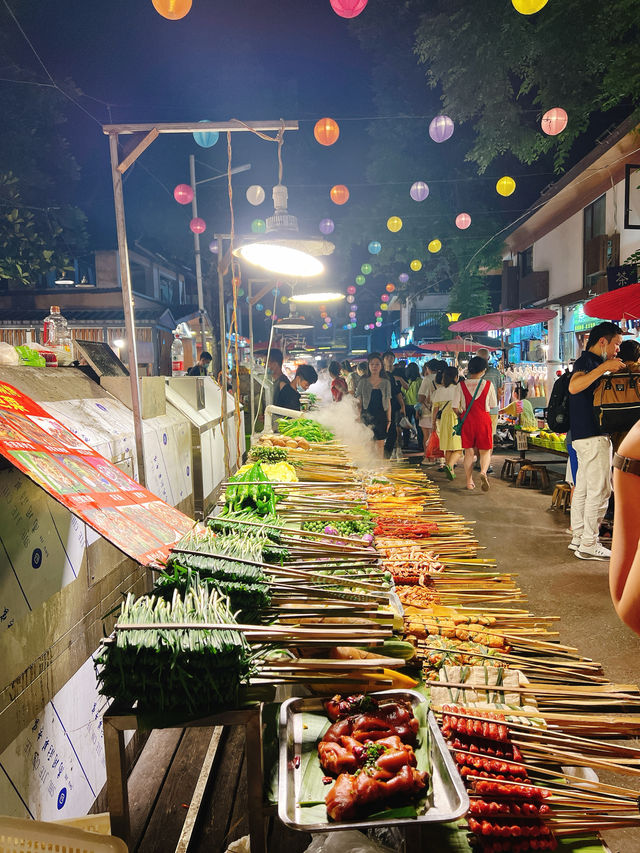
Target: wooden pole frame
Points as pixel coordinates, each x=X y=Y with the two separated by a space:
x=152 y=131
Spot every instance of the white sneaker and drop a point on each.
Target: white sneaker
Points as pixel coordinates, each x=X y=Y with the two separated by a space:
x=574 y=545
x=598 y=552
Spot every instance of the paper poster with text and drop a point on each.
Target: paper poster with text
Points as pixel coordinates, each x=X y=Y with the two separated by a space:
x=90 y=486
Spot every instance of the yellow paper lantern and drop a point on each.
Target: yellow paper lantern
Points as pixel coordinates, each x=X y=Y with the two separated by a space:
x=416 y=265
x=394 y=223
x=505 y=186
x=173 y=10
x=434 y=246
x=267 y=313
x=384 y=306
x=528 y=7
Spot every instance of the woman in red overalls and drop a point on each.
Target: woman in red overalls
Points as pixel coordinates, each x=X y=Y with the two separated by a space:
x=477 y=429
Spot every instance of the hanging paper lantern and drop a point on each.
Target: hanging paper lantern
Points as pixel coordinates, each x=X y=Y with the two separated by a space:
x=441 y=128
x=339 y=194
x=324 y=326
x=554 y=121
x=258 y=226
x=327 y=226
x=365 y=269
x=377 y=313
x=394 y=224
x=434 y=246
x=419 y=191
x=463 y=221
x=259 y=307
x=354 y=307
x=284 y=299
x=326 y=131
x=197 y=225
x=385 y=298
x=183 y=194
x=348 y=8
x=173 y=10
x=384 y=307
x=322 y=307
x=327 y=319
x=416 y=265
x=352 y=314
x=390 y=287
x=206 y=138
x=255 y=194
x=403 y=277
x=323 y=314
x=351 y=289
x=505 y=186
x=268 y=313
x=374 y=247
x=360 y=279
x=213 y=247
x=351 y=298
x=528 y=7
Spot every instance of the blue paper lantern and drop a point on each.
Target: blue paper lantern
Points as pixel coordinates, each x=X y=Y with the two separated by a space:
x=206 y=138
x=374 y=247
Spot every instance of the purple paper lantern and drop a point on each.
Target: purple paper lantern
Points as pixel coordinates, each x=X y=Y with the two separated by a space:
x=326 y=226
x=419 y=191
x=213 y=247
x=441 y=128
x=403 y=277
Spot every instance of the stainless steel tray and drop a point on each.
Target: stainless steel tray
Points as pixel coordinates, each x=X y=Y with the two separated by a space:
x=448 y=799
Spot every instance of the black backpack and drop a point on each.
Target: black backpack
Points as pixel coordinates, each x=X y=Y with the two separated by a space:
x=557 y=411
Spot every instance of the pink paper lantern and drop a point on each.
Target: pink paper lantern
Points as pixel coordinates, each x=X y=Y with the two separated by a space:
x=348 y=8
x=377 y=313
x=384 y=297
x=463 y=221
x=554 y=121
x=183 y=194
x=197 y=225
x=441 y=128
x=351 y=289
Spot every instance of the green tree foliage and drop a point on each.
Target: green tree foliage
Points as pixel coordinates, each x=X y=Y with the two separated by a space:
x=501 y=71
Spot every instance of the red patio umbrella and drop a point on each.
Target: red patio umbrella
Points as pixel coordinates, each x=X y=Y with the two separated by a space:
x=620 y=304
x=502 y=320
x=454 y=345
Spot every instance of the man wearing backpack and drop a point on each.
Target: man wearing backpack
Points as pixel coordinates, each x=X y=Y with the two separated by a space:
x=592 y=447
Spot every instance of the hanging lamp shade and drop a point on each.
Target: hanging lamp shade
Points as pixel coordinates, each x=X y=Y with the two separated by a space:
x=172 y=10
x=326 y=131
x=348 y=8
x=339 y=194
x=255 y=194
x=554 y=121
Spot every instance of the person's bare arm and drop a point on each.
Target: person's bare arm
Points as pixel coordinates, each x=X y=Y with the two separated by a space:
x=624 y=568
x=581 y=381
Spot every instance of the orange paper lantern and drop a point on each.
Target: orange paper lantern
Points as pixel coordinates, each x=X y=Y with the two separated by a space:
x=173 y=10
x=339 y=194
x=326 y=131
x=390 y=287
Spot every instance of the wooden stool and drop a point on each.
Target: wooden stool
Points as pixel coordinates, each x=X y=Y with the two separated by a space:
x=533 y=476
x=561 y=498
x=509 y=471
